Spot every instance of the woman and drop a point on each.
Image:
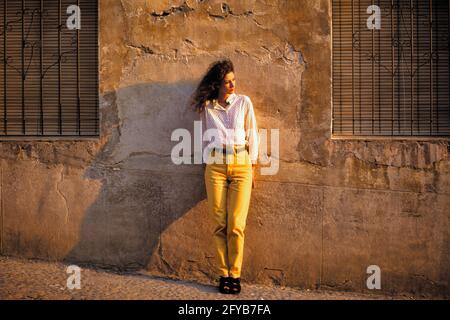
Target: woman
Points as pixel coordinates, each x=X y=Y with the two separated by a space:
x=231 y=160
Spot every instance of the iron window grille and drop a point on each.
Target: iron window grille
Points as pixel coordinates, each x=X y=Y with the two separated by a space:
x=392 y=81
x=48 y=73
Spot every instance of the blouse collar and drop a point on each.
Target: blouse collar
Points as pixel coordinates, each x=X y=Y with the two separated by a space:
x=230 y=100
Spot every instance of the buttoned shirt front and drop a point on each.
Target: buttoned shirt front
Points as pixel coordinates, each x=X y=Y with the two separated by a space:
x=233 y=125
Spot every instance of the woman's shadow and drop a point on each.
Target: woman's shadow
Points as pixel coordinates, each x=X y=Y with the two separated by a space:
x=149 y=212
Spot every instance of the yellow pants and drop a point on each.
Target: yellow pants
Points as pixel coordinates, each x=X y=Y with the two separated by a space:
x=228 y=187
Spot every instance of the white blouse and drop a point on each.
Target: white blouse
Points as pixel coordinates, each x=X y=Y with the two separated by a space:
x=235 y=124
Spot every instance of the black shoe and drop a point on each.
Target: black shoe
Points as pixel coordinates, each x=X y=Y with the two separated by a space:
x=235 y=285
x=224 y=285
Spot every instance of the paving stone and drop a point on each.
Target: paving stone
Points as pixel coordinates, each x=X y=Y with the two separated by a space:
x=34 y=279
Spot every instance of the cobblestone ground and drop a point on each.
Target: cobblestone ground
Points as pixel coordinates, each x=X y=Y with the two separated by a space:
x=32 y=279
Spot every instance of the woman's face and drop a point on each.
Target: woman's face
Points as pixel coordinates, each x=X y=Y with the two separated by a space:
x=228 y=85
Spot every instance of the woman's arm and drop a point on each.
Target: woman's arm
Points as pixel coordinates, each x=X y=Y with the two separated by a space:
x=251 y=129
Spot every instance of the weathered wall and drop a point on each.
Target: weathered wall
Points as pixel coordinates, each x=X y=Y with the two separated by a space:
x=334 y=208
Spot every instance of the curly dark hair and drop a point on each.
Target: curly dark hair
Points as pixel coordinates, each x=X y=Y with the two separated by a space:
x=208 y=89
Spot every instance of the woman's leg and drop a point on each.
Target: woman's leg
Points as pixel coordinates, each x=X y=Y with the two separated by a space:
x=216 y=189
x=239 y=193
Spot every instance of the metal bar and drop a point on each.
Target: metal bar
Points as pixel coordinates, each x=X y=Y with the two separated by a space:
x=373 y=79
x=353 y=74
x=379 y=76
x=389 y=138
x=431 y=65
x=59 y=68
x=398 y=69
x=359 y=62
x=333 y=73
x=41 y=38
x=78 y=80
x=5 y=99
x=417 y=73
x=411 y=7
x=23 y=67
x=340 y=69
x=69 y=138
x=437 y=74
x=97 y=78
x=392 y=64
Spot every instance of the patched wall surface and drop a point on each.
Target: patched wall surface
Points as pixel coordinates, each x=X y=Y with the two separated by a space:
x=334 y=208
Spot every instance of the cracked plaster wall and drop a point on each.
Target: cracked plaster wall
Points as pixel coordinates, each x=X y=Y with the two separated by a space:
x=334 y=208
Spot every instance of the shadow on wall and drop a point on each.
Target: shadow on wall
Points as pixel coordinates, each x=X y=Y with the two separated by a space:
x=143 y=193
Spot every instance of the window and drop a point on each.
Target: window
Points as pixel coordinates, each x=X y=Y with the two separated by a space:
x=48 y=71
x=392 y=80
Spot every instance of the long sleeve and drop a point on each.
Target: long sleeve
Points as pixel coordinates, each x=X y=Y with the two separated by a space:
x=203 y=119
x=251 y=130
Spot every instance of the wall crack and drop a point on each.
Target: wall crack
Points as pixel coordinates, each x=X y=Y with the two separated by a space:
x=184 y=8
x=66 y=217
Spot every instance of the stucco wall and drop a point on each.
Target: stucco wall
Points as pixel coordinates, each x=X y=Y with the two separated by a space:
x=334 y=208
